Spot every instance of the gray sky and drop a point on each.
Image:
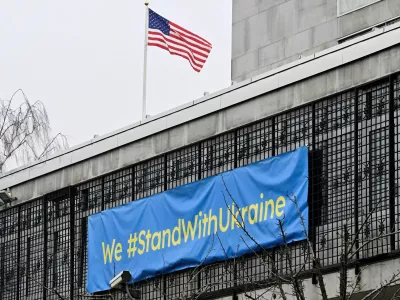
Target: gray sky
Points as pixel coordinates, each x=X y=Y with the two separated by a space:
x=84 y=59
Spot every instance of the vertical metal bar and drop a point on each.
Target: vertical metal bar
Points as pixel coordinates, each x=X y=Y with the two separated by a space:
x=164 y=279
x=102 y=193
x=55 y=258
x=199 y=177
x=199 y=162
x=312 y=189
x=133 y=183
x=273 y=136
x=392 y=167
x=235 y=296
x=356 y=170
x=45 y=245
x=165 y=172
x=19 y=252
x=28 y=265
x=248 y=148
x=2 y=263
x=114 y=189
x=371 y=205
x=71 y=193
x=235 y=162
x=235 y=277
x=82 y=251
x=273 y=152
x=164 y=288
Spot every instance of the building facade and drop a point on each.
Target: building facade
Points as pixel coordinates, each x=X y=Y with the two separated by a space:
x=343 y=103
x=267 y=34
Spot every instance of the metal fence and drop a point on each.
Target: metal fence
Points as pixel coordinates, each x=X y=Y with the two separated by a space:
x=354 y=159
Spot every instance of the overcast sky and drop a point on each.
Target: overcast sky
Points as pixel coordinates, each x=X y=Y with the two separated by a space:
x=84 y=59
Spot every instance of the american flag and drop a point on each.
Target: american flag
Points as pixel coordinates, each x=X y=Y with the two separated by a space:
x=177 y=40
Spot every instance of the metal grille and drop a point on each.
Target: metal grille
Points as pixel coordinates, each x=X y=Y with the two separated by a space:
x=32 y=250
x=152 y=288
x=149 y=178
x=88 y=200
x=373 y=168
x=118 y=188
x=181 y=284
x=58 y=268
x=293 y=129
x=332 y=167
x=217 y=155
x=354 y=170
x=256 y=269
x=9 y=229
x=395 y=108
x=254 y=143
x=183 y=166
x=218 y=276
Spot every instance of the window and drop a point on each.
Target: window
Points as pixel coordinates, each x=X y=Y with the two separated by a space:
x=84 y=199
x=316 y=195
x=60 y=258
x=379 y=168
x=81 y=252
x=373 y=101
x=183 y=166
x=2 y=267
x=149 y=178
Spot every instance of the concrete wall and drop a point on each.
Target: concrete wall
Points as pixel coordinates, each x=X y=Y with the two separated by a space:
x=311 y=80
x=346 y=6
x=267 y=34
x=369 y=279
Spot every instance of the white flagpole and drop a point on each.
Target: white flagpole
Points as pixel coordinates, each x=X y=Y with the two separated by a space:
x=146 y=27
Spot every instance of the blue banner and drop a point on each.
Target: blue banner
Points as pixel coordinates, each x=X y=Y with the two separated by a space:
x=201 y=222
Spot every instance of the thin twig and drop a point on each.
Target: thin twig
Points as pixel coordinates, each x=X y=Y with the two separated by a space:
x=47 y=288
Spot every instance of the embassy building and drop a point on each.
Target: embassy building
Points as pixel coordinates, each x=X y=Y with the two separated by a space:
x=318 y=73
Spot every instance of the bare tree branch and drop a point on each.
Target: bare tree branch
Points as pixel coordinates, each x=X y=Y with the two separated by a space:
x=383 y=285
x=25 y=132
x=54 y=291
x=242 y=226
x=395 y=295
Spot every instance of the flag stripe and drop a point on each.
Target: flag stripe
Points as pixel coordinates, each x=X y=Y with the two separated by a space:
x=175 y=53
x=170 y=39
x=172 y=52
x=177 y=40
x=174 y=39
x=188 y=37
x=179 y=49
x=192 y=43
x=187 y=31
x=174 y=47
x=195 y=59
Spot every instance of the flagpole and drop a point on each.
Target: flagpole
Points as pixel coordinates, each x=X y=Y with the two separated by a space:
x=146 y=27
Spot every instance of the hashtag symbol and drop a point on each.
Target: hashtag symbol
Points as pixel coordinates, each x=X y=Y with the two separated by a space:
x=132 y=245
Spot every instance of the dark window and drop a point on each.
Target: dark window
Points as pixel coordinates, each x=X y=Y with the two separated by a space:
x=316 y=196
x=368 y=106
x=84 y=199
x=28 y=265
x=82 y=252
x=2 y=267
x=55 y=259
